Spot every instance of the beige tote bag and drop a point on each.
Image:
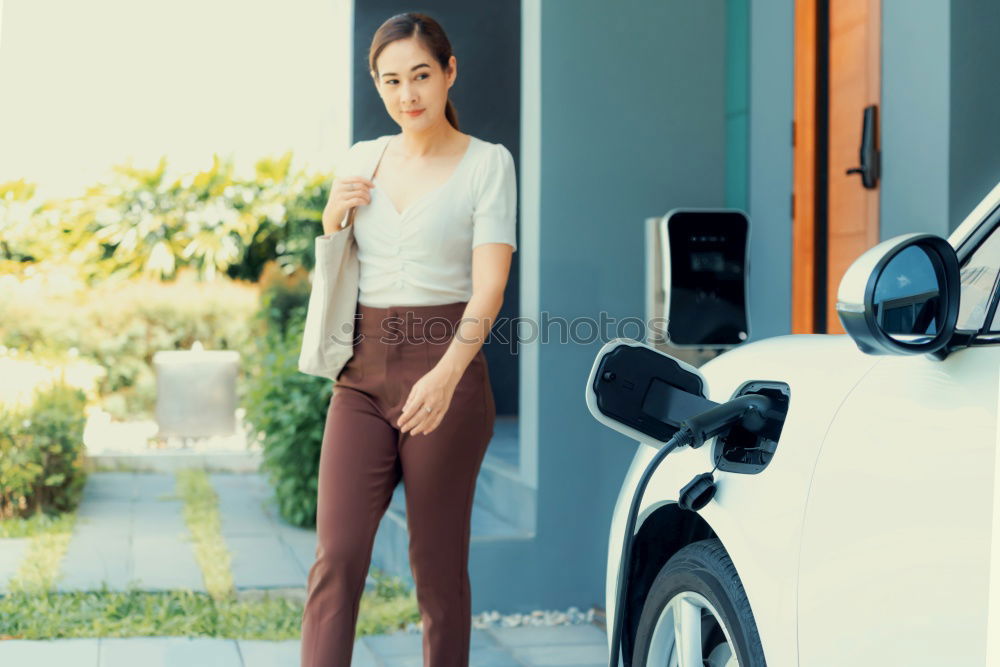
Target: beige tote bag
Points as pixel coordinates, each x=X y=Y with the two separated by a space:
x=328 y=338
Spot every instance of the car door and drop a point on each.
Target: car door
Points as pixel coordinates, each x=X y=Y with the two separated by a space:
x=895 y=554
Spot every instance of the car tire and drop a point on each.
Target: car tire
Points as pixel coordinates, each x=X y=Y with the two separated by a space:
x=698 y=586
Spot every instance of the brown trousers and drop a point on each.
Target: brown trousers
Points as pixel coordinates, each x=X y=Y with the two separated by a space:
x=363 y=458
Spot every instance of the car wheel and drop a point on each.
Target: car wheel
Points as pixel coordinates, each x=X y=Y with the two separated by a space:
x=697 y=615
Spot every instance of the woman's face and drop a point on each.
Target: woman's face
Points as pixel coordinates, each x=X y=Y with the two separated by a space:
x=410 y=79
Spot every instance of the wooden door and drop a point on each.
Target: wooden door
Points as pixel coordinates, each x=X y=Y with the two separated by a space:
x=837 y=76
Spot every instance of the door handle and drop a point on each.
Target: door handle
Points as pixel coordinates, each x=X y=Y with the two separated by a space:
x=871 y=156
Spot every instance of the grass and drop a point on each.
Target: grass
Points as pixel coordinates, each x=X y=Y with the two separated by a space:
x=389 y=607
x=49 y=541
x=135 y=613
x=33 y=610
x=50 y=615
x=201 y=513
x=38 y=523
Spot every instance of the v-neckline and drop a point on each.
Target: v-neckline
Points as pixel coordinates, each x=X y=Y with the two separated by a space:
x=418 y=200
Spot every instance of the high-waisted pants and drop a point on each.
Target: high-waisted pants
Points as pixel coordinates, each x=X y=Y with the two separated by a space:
x=363 y=457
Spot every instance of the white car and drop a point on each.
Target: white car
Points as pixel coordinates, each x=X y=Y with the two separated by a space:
x=859 y=530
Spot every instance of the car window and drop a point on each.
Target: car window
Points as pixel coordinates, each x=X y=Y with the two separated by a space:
x=979 y=274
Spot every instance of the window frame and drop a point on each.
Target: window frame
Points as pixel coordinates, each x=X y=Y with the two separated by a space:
x=985 y=335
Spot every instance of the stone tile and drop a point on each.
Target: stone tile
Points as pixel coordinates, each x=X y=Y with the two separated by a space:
x=169 y=652
x=238 y=521
x=492 y=657
x=546 y=635
x=404 y=661
x=478 y=657
x=155 y=485
x=110 y=486
x=302 y=544
x=42 y=653
x=165 y=562
x=263 y=562
x=260 y=653
x=159 y=519
x=482 y=639
x=363 y=656
x=94 y=559
x=563 y=656
x=402 y=648
x=12 y=551
x=395 y=645
x=104 y=517
x=266 y=552
x=241 y=505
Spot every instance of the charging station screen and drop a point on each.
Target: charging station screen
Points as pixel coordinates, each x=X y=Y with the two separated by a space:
x=707 y=278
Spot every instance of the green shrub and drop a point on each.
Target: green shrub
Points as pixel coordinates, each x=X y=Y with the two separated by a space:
x=281 y=294
x=146 y=222
x=121 y=325
x=289 y=409
x=42 y=453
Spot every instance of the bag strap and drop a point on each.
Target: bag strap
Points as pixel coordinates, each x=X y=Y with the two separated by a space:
x=385 y=145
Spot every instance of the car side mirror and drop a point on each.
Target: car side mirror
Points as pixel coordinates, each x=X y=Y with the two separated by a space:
x=901 y=296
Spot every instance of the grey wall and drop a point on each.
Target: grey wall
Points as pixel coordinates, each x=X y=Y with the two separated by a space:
x=915 y=117
x=487 y=96
x=772 y=25
x=975 y=104
x=940 y=111
x=632 y=124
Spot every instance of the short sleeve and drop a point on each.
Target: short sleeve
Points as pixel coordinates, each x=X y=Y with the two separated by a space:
x=494 y=216
x=349 y=164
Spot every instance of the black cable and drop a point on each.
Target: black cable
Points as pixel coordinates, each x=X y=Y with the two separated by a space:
x=684 y=436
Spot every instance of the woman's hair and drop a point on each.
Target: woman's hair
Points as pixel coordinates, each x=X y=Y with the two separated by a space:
x=431 y=35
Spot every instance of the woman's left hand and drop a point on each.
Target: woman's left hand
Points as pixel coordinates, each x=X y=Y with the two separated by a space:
x=434 y=390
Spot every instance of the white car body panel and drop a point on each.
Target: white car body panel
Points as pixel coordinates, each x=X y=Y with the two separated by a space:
x=895 y=560
x=823 y=508
x=760 y=530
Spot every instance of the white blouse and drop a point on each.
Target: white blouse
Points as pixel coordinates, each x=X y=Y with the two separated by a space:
x=423 y=255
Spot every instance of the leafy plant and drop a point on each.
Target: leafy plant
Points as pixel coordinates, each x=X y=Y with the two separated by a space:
x=145 y=223
x=42 y=453
x=288 y=410
x=121 y=326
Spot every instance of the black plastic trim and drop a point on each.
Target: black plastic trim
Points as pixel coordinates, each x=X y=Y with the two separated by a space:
x=729 y=450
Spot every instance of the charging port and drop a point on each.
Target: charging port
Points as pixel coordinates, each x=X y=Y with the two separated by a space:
x=739 y=450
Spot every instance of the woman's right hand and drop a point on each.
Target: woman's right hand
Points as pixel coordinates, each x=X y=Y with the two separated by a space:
x=345 y=194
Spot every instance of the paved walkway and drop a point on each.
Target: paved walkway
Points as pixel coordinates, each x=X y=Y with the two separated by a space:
x=567 y=646
x=130 y=529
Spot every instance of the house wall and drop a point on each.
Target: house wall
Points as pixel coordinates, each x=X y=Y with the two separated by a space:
x=940 y=133
x=771 y=75
x=624 y=117
x=974 y=133
x=915 y=117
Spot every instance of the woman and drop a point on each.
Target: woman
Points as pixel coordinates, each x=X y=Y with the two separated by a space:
x=435 y=227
